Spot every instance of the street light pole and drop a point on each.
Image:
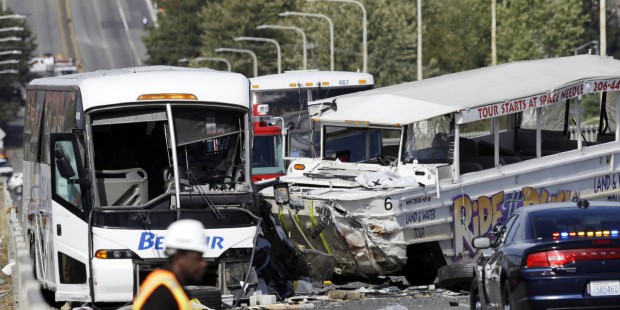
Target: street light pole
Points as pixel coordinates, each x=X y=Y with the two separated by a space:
x=9 y=62
x=199 y=59
x=603 y=28
x=364 y=30
x=331 y=31
x=217 y=59
x=14 y=52
x=265 y=40
x=299 y=30
x=14 y=16
x=593 y=42
x=10 y=39
x=11 y=29
x=243 y=51
x=493 y=33
x=419 y=57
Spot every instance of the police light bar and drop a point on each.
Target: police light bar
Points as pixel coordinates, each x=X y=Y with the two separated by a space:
x=582 y=234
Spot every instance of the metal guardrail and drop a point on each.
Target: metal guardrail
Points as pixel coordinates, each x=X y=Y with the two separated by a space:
x=26 y=289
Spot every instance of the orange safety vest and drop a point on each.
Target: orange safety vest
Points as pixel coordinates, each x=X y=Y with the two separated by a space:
x=153 y=281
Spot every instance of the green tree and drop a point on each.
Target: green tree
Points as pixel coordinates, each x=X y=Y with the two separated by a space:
x=457 y=36
x=224 y=20
x=391 y=36
x=392 y=41
x=592 y=28
x=178 y=34
x=12 y=84
x=533 y=29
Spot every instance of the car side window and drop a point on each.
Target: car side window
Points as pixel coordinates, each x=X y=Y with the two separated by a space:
x=510 y=237
x=509 y=228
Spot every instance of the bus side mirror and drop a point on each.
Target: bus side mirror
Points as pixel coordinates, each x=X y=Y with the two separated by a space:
x=280 y=193
x=78 y=131
x=62 y=163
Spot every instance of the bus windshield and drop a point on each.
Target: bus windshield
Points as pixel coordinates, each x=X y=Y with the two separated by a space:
x=132 y=169
x=355 y=144
x=292 y=106
x=284 y=102
x=267 y=155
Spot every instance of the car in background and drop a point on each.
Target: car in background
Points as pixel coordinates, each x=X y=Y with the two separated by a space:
x=16 y=183
x=559 y=255
x=5 y=168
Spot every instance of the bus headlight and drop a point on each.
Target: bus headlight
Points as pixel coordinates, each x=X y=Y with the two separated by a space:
x=116 y=254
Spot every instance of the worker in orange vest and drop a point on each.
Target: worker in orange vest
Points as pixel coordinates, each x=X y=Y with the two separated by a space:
x=163 y=288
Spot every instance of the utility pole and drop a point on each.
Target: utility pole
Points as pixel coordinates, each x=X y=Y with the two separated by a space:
x=603 y=23
x=493 y=33
x=419 y=40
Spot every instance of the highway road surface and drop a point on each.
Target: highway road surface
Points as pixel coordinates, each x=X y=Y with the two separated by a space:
x=107 y=34
x=42 y=18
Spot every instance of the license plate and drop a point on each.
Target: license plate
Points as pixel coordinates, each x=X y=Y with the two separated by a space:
x=604 y=288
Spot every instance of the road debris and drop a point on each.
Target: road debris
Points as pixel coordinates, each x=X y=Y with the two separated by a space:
x=8 y=268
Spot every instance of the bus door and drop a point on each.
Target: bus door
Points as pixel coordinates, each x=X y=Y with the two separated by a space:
x=69 y=218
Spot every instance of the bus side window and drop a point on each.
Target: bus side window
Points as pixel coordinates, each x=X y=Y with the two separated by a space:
x=70 y=193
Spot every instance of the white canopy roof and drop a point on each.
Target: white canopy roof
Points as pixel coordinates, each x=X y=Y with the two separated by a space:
x=480 y=93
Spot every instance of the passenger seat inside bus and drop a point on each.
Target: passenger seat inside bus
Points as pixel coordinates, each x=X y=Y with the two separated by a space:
x=123 y=158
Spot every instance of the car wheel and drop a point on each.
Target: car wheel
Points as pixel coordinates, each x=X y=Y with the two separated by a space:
x=19 y=189
x=506 y=300
x=456 y=277
x=474 y=296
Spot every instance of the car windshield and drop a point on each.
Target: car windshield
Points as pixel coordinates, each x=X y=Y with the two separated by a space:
x=571 y=223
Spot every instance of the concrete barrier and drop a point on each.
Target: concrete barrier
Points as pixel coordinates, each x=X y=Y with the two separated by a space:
x=26 y=289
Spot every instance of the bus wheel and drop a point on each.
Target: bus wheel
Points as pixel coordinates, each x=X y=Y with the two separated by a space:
x=456 y=277
x=207 y=295
x=423 y=261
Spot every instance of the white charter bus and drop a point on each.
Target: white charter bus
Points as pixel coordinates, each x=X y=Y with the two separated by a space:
x=473 y=147
x=111 y=158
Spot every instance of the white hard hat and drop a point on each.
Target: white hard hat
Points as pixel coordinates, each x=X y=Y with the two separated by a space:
x=186 y=235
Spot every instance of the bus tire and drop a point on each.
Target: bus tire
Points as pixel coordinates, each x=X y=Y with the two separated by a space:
x=209 y=296
x=456 y=277
x=423 y=261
